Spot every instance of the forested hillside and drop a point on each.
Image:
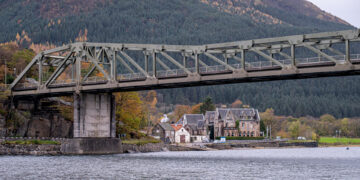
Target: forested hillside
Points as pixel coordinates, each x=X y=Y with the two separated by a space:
x=194 y=22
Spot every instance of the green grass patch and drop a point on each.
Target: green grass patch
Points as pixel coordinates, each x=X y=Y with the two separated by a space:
x=241 y=138
x=35 y=141
x=339 y=141
x=141 y=141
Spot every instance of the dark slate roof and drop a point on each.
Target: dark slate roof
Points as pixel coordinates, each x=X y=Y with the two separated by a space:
x=222 y=112
x=201 y=124
x=194 y=118
x=210 y=116
x=166 y=126
x=239 y=113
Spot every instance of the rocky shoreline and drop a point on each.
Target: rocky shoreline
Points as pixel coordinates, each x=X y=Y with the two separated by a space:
x=58 y=149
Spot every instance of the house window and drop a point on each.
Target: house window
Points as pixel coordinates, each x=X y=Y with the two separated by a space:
x=242 y=124
x=232 y=134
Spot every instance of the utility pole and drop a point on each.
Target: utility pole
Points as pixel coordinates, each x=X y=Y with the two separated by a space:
x=270 y=131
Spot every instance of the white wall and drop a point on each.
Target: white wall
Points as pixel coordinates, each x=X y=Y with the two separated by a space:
x=180 y=132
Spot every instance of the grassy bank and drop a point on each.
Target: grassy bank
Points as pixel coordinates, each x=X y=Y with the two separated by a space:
x=339 y=141
x=141 y=141
x=36 y=141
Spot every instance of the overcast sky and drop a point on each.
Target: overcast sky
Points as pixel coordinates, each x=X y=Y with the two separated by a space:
x=348 y=10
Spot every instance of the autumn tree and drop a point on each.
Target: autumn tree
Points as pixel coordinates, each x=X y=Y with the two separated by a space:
x=294 y=129
x=128 y=113
x=269 y=119
x=195 y=109
x=180 y=110
x=150 y=101
x=237 y=104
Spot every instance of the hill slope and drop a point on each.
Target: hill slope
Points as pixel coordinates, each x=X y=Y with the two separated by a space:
x=195 y=22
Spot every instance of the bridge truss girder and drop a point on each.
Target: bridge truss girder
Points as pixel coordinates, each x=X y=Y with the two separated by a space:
x=85 y=58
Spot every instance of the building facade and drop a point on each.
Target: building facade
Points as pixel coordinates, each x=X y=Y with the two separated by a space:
x=181 y=134
x=197 y=127
x=164 y=132
x=244 y=122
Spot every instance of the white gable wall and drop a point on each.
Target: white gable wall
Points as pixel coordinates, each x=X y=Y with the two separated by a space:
x=180 y=132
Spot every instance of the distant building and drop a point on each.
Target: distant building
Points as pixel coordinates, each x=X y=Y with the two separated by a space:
x=164 y=132
x=181 y=134
x=195 y=124
x=243 y=122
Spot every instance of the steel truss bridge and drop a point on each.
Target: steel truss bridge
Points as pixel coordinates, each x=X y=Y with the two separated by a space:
x=108 y=67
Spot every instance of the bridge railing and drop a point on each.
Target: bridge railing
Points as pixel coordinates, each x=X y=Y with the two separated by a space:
x=95 y=79
x=355 y=56
x=171 y=73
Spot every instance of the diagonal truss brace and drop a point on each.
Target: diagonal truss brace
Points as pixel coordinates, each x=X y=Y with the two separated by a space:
x=134 y=63
x=267 y=57
x=27 y=68
x=317 y=51
x=123 y=62
x=162 y=63
x=59 y=70
x=335 y=51
x=219 y=61
x=94 y=61
x=239 y=59
x=200 y=61
x=93 y=67
x=175 y=62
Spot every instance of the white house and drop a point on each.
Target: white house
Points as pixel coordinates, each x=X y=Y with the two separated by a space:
x=195 y=124
x=181 y=134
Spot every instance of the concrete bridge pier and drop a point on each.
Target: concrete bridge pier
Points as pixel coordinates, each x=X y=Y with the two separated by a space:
x=94 y=125
x=94 y=115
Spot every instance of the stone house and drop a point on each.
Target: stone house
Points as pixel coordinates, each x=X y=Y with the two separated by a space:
x=164 y=132
x=243 y=122
x=181 y=134
x=195 y=124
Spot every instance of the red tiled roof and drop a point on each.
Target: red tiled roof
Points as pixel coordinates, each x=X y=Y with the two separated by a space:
x=176 y=127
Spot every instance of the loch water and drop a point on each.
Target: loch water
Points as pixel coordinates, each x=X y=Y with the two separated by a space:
x=292 y=163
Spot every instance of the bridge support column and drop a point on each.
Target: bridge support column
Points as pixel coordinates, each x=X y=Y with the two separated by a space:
x=94 y=115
